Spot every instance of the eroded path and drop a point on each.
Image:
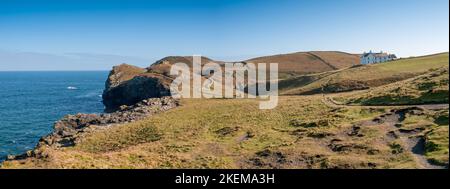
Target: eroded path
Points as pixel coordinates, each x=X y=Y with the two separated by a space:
x=410 y=142
x=391 y=122
x=329 y=101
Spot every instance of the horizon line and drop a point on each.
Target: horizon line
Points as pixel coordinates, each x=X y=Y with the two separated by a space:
x=54 y=70
x=75 y=70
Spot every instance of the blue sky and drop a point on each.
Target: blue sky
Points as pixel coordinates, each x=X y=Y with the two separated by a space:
x=97 y=34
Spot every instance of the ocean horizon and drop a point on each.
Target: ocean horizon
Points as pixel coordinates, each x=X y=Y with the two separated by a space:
x=31 y=101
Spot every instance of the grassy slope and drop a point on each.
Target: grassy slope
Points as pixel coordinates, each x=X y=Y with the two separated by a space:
x=362 y=77
x=429 y=88
x=292 y=64
x=437 y=145
x=299 y=63
x=338 y=59
x=231 y=133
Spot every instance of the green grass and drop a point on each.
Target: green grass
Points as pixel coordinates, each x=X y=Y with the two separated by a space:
x=118 y=138
x=293 y=83
x=437 y=145
x=429 y=88
x=374 y=75
x=441 y=118
x=232 y=133
x=434 y=130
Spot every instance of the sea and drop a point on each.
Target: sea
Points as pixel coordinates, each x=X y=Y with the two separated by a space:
x=31 y=102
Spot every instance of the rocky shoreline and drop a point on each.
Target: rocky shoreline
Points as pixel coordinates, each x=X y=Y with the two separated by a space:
x=68 y=130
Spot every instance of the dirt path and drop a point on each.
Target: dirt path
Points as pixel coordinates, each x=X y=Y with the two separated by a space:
x=416 y=146
x=332 y=103
x=409 y=141
x=389 y=121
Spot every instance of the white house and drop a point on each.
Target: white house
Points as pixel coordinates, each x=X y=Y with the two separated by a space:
x=371 y=58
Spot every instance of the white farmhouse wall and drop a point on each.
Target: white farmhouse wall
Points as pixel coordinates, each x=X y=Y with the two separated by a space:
x=371 y=58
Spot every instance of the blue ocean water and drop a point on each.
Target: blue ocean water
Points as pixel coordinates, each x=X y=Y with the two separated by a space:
x=30 y=102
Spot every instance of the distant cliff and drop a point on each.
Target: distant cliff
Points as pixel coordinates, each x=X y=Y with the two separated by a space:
x=127 y=85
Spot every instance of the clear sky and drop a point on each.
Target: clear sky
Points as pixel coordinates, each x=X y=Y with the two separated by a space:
x=97 y=34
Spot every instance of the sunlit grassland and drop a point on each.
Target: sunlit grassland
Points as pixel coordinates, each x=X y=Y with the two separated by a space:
x=369 y=75
x=232 y=133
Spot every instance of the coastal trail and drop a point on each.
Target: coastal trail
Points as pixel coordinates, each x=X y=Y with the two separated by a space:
x=415 y=145
x=330 y=102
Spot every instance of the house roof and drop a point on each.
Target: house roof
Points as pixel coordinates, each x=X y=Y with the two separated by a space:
x=379 y=55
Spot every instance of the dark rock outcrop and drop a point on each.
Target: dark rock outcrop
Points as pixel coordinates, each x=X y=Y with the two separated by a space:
x=128 y=85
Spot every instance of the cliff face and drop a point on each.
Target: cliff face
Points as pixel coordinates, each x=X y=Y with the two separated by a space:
x=127 y=85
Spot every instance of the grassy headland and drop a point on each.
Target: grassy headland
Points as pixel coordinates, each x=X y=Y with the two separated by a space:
x=304 y=131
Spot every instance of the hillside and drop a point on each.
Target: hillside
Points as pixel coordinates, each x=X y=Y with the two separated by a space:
x=163 y=66
x=299 y=63
x=289 y=64
x=127 y=85
x=363 y=76
x=429 y=88
x=309 y=62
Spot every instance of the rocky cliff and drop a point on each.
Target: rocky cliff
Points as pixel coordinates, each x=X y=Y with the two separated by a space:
x=127 y=85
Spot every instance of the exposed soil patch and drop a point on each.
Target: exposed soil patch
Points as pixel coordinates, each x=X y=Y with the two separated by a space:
x=226 y=131
x=392 y=122
x=337 y=145
x=416 y=145
x=308 y=124
x=319 y=134
x=268 y=158
x=392 y=135
x=245 y=137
